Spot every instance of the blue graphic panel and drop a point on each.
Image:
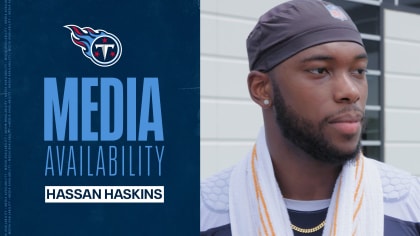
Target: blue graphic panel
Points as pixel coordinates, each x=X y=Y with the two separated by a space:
x=100 y=117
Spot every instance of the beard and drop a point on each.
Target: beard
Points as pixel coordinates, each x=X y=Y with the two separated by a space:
x=308 y=136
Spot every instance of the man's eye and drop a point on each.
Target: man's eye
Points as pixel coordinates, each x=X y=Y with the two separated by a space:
x=318 y=71
x=360 y=71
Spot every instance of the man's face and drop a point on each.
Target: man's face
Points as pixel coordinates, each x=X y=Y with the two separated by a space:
x=319 y=99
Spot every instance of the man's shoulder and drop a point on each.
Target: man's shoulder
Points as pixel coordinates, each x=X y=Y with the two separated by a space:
x=214 y=200
x=397 y=184
x=401 y=190
x=214 y=191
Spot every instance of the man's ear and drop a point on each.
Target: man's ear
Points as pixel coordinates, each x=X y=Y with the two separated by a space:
x=260 y=90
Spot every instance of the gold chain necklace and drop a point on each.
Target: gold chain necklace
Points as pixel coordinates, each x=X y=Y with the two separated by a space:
x=308 y=231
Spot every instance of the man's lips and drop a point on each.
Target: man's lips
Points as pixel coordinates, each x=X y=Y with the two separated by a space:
x=347 y=123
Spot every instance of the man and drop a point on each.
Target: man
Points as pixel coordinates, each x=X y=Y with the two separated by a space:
x=306 y=174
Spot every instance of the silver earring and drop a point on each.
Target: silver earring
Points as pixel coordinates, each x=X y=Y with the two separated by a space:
x=266 y=102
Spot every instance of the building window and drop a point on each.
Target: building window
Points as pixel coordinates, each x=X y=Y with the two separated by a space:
x=366 y=16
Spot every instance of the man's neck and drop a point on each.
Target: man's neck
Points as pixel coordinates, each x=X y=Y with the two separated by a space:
x=300 y=176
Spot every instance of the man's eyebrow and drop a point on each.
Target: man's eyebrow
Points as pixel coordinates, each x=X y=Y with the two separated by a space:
x=361 y=56
x=321 y=57
x=318 y=57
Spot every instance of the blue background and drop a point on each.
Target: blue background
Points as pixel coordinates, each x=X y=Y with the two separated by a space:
x=160 y=38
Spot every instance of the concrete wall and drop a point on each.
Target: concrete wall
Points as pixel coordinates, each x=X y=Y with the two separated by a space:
x=402 y=90
x=230 y=121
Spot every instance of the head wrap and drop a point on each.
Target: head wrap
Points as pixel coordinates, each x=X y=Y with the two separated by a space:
x=294 y=26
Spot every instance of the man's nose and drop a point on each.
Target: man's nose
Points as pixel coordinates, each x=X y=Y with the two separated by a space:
x=345 y=89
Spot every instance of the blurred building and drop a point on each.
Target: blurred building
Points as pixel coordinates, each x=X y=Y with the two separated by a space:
x=230 y=121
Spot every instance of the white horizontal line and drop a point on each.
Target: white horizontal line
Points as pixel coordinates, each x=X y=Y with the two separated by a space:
x=402 y=109
x=411 y=42
x=232 y=18
x=204 y=142
x=371 y=36
x=371 y=143
x=403 y=76
x=374 y=72
x=219 y=100
x=370 y=2
x=402 y=144
x=373 y=108
x=223 y=58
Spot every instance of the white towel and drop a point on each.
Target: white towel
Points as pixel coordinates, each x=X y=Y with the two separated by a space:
x=256 y=205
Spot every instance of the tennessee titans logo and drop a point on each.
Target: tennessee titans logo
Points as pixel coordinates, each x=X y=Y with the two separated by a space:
x=102 y=48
